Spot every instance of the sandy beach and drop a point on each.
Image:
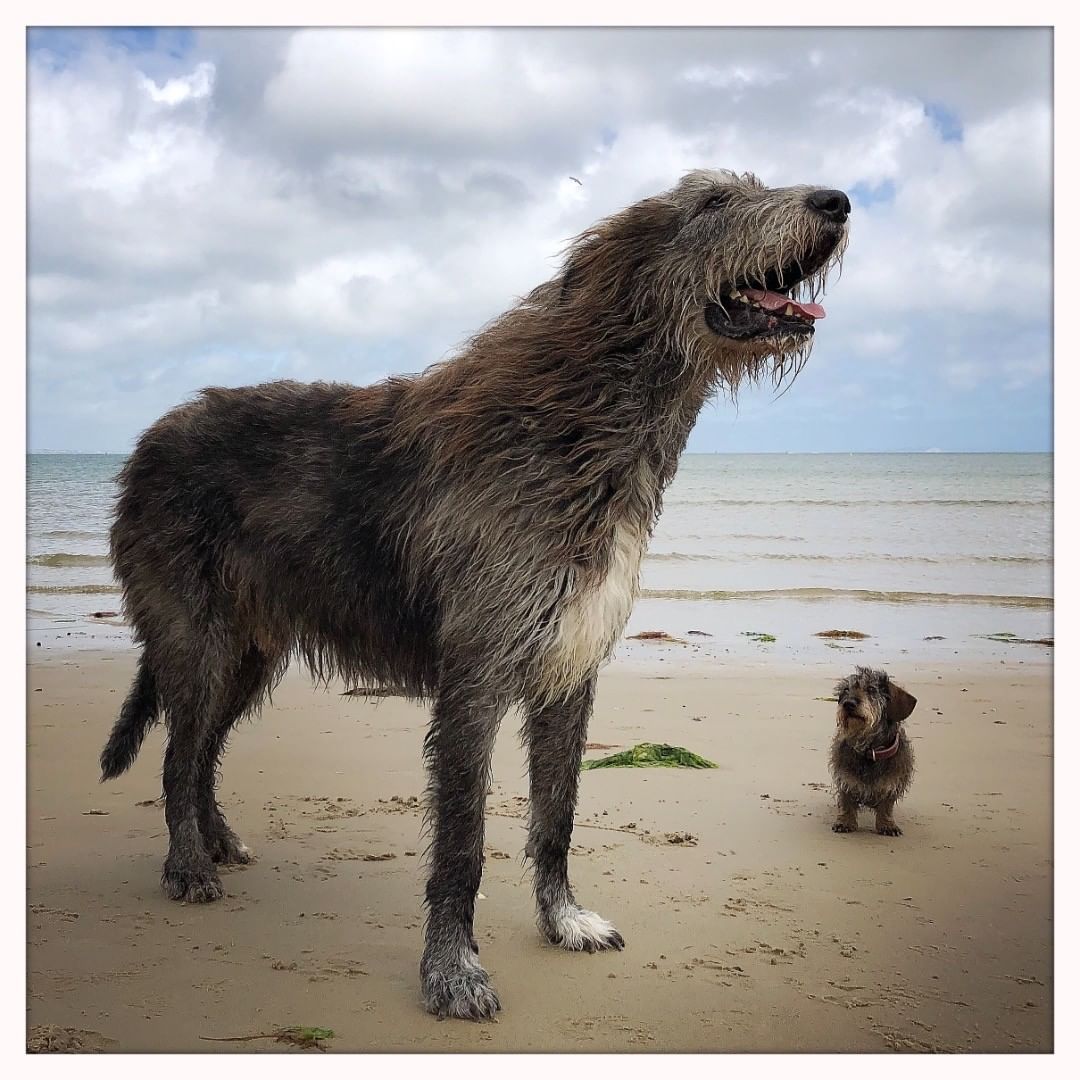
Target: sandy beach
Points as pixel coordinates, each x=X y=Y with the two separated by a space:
x=459 y=357
x=750 y=925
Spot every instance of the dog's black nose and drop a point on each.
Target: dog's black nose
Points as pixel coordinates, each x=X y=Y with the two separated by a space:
x=835 y=205
x=848 y=703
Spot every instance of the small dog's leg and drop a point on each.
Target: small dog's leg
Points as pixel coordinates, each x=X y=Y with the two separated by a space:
x=458 y=750
x=847 y=818
x=556 y=741
x=885 y=824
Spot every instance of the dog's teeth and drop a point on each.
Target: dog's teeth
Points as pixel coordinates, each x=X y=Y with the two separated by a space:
x=789 y=310
x=734 y=294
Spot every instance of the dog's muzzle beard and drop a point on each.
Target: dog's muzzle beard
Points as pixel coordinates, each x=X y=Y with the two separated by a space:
x=858 y=729
x=765 y=306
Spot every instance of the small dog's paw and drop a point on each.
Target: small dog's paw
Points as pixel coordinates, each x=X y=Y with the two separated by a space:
x=579 y=930
x=462 y=990
x=842 y=826
x=891 y=829
x=192 y=886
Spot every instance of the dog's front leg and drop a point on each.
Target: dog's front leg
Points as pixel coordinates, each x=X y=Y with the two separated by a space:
x=555 y=735
x=884 y=823
x=847 y=808
x=458 y=751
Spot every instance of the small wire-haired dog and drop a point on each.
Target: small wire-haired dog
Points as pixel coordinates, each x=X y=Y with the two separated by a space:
x=871 y=758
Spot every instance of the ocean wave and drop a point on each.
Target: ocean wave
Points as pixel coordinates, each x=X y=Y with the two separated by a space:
x=72 y=534
x=89 y=590
x=765 y=536
x=681 y=503
x=874 y=595
x=782 y=556
x=68 y=558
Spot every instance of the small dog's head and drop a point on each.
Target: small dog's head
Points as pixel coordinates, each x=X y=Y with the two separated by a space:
x=868 y=704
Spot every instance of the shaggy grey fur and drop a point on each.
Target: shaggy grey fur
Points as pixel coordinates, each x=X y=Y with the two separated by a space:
x=870 y=714
x=472 y=536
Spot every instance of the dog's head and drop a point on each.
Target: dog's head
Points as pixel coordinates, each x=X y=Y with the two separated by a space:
x=868 y=705
x=726 y=270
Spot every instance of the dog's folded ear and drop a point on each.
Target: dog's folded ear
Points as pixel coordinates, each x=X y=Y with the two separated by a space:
x=901 y=704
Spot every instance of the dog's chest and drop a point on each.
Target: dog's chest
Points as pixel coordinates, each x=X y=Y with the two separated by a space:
x=589 y=626
x=871 y=782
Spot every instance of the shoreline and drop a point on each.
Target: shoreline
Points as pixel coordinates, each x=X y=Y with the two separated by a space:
x=764 y=931
x=896 y=635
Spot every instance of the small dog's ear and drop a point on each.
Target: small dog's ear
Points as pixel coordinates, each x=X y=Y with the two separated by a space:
x=901 y=704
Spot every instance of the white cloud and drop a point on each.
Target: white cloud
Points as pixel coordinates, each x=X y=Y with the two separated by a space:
x=343 y=203
x=735 y=77
x=198 y=84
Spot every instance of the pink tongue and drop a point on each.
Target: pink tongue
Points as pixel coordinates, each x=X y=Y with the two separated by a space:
x=772 y=301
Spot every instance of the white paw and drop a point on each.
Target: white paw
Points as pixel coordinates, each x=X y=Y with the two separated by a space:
x=580 y=930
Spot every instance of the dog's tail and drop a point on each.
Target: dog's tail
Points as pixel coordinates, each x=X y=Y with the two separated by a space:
x=137 y=717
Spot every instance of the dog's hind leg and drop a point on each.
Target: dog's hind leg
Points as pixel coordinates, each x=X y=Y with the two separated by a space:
x=555 y=735
x=242 y=693
x=189 y=872
x=458 y=752
x=194 y=683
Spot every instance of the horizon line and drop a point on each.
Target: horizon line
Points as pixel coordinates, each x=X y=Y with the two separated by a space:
x=686 y=453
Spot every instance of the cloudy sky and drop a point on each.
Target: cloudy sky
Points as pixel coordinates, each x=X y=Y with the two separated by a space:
x=230 y=206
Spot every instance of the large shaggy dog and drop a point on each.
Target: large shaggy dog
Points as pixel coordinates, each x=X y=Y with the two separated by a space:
x=472 y=536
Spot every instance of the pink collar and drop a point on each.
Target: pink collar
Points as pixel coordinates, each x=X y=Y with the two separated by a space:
x=886 y=751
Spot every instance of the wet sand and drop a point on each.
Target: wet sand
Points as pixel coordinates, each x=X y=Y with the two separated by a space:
x=760 y=931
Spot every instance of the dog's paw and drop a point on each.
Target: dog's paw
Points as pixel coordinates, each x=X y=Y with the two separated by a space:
x=193 y=886
x=230 y=850
x=578 y=930
x=462 y=990
x=843 y=826
x=891 y=829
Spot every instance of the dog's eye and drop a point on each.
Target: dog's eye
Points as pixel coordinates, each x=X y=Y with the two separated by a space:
x=716 y=201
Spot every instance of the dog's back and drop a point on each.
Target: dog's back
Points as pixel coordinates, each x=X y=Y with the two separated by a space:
x=240 y=516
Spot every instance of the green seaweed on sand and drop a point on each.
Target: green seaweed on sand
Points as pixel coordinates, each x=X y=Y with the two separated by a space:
x=649 y=755
x=760 y=638
x=306 y=1037
x=849 y=635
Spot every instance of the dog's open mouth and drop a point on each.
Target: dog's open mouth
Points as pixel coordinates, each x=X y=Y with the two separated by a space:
x=749 y=313
x=767 y=308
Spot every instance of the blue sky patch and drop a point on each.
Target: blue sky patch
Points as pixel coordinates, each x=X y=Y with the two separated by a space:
x=946 y=122
x=61 y=46
x=864 y=194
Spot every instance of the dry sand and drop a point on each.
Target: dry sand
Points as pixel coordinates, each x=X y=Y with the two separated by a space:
x=764 y=931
